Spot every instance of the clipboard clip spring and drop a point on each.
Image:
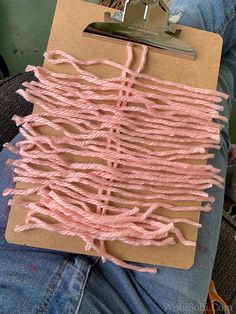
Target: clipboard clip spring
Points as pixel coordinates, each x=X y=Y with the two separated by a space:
x=145 y=22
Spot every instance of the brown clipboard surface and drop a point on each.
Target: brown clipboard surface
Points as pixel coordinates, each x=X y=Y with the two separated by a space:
x=70 y=19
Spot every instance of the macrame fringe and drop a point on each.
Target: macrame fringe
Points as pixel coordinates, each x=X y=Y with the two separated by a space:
x=141 y=143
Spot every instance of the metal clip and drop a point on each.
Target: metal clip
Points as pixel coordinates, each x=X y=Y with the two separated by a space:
x=145 y=22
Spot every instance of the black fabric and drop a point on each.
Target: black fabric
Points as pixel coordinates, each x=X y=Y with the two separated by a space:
x=3 y=68
x=12 y=104
x=224 y=272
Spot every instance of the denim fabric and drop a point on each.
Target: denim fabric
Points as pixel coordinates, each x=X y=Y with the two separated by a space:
x=42 y=281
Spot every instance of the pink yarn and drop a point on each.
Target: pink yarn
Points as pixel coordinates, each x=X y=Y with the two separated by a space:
x=115 y=125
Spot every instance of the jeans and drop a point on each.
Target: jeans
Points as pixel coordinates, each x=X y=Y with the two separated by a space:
x=42 y=281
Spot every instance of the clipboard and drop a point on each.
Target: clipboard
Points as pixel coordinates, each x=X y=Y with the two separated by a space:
x=71 y=18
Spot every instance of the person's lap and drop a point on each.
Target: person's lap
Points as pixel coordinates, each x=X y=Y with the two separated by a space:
x=41 y=281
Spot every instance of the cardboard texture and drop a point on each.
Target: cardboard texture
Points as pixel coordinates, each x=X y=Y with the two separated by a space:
x=70 y=19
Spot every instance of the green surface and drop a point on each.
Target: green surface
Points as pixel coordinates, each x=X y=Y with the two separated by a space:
x=24 y=30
